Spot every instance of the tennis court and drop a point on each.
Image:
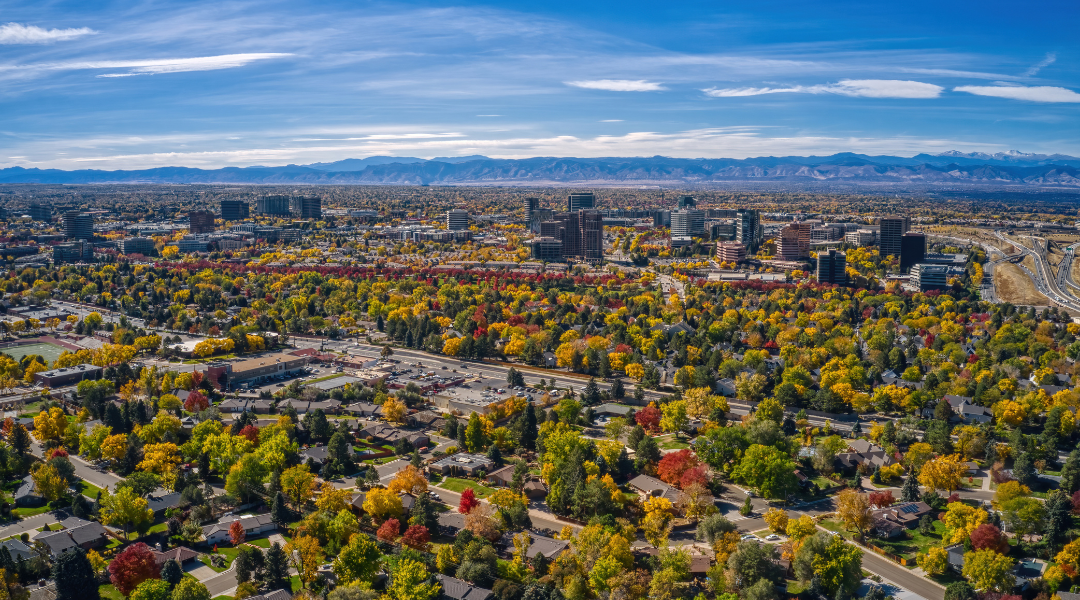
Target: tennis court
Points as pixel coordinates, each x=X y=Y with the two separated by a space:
x=49 y=352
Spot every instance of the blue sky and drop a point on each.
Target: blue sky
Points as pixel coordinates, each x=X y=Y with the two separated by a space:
x=207 y=84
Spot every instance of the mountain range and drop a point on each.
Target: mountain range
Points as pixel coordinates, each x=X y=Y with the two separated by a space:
x=947 y=168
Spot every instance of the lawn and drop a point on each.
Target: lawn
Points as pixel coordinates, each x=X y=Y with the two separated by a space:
x=261 y=542
x=230 y=555
x=975 y=483
x=108 y=592
x=157 y=528
x=326 y=378
x=89 y=490
x=27 y=511
x=381 y=461
x=458 y=485
x=671 y=442
x=912 y=543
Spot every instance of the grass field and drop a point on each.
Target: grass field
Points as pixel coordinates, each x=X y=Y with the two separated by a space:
x=458 y=485
x=1012 y=285
x=230 y=555
x=49 y=352
x=108 y=592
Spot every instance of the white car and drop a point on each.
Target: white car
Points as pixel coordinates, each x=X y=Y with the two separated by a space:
x=749 y=536
x=772 y=538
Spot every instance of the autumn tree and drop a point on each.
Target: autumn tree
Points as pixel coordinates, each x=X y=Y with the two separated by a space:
x=382 y=505
x=942 y=473
x=333 y=500
x=468 y=501
x=674 y=465
x=776 y=519
x=133 y=566
x=989 y=537
x=190 y=589
x=989 y=571
x=409 y=480
x=389 y=530
x=297 y=483
x=49 y=425
x=853 y=509
x=48 y=481
x=358 y=562
x=934 y=562
x=305 y=555
x=409 y=581
x=237 y=533
x=961 y=520
x=881 y=499
x=125 y=509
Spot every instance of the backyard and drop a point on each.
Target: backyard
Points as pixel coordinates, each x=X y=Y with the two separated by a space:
x=459 y=485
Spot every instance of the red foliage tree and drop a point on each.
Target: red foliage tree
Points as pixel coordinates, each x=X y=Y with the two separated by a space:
x=953 y=498
x=196 y=402
x=468 y=501
x=389 y=531
x=133 y=566
x=251 y=432
x=881 y=499
x=417 y=537
x=57 y=452
x=196 y=378
x=1076 y=502
x=236 y=533
x=648 y=418
x=989 y=537
x=673 y=465
x=698 y=474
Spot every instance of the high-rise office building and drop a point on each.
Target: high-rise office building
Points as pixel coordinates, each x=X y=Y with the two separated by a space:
x=40 y=212
x=793 y=242
x=200 y=221
x=661 y=218
x=457 y=219
x=272 y=206
x=581 y=233
x=78 y=226
x=748 y=228
x=309 y=207
x=892 y=229
x=531 y=204
x=832 y=267
x=78 y=251
x=912 y=250
x=581 y=201
x=687 y=222
x=136 y=245
x=686 y=202
x=235 y=210
x=732 y=252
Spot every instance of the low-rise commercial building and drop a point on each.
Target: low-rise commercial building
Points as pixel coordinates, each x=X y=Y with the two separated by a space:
x=67 y=375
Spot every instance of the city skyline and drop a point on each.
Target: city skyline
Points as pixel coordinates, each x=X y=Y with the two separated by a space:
x=118 y=85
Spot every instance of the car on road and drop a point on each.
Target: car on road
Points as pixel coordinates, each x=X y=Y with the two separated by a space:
x=772 y=538
x=749 y=536
x=444 y=367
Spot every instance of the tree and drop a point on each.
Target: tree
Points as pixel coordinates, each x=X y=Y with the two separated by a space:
x=750 y=563
x=417 y=537
x=988 y=571
x=171 y=572
x=152 y=589
x=358 y=562
x=961 y=520
x=942 y=473
x=934 y=562
x=1070 y=473
x=468 y=501
x=674 y=465
x=830 y=562
x=382 y=505
x=648 y=418
x=389 y=531
x=881 y=499
x=767 y=470
x=989 y=537
x=277 y=568
x=279 y=514
x=133 y=566
x=408 y=581
x=1008 y=491
x=960 y=590
x=49 y=425
x=394 y=410
x=332 y=500
x=297 y=483
x=196 y=402
x=236 y=533
x=75 y=577
x=190 y=589
x=1023 y=469
x=48 y=481
x=125 y=509
x=910 y=491
x=675 y=418
x=305 y=555
x=162 y=460
x=776 y=519
x=853 y=509
x=409 y=480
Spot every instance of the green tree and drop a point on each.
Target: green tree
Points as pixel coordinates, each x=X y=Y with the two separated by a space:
x=408 y=581
x=190 y=589
x=767 y=470
x=474 y=434
x=277 y=568
x=74 y=576
x=1070 y=473
x=825 y=559
x=152 y=589
x=125 y=509
x=359 y=561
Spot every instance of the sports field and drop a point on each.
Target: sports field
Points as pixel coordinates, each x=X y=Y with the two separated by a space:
x=48 y=351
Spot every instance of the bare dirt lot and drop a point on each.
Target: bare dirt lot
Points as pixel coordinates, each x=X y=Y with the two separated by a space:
x=1012 y=285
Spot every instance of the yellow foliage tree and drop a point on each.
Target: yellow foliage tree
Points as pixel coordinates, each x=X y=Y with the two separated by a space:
x=409 y=480
x=777 y=520
x=382 y=505
x=50 y=425
x=942 y=473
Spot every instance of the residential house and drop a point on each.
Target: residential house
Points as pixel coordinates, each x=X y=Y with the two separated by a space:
x=27 y=495
x=451 y=522
x=651 y=486
x=893 y=520
x=548 y=360
x=535 y=490
x=274 y=595
x=234 y=405
x=316 y=454
x=163 y=502
x=726 y=387
x=77 y=533
x=253 y=525
x=363 y=409
x=456 y=589
x=389 y=435
x=549 y=547
x=461 y=463
x=18 y=549
x=181 y=554
x=428 y=420
x=612 y=410
x=862 y=452
x=964 y=410
x=503 y=476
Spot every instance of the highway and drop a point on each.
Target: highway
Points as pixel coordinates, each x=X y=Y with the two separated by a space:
x=1044 y=282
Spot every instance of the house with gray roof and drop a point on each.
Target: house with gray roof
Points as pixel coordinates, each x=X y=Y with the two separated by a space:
x=27 y=495
x=456 y=589
x=653 y=487
x=462 y=463
x=18 y=549
x=253 y=525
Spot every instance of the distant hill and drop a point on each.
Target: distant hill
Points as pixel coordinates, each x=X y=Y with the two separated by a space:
x=949 y=168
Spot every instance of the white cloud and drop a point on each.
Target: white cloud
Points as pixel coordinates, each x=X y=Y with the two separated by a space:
x=1046 y=62
x=1040 y=93
x=617 y=85
x=17 y=33
x=611 y=121
x=178 y=65
x=859 y=88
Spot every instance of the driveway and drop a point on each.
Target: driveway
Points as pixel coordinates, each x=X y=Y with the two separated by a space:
x=200 y=571
x=221 y=583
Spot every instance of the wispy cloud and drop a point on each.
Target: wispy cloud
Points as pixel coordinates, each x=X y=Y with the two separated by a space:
x=152 y=66
x=611 y=121
x=618 y=85
x=858 y=88
x=1046 y=62
x=1039 y=93
x=17 y=33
